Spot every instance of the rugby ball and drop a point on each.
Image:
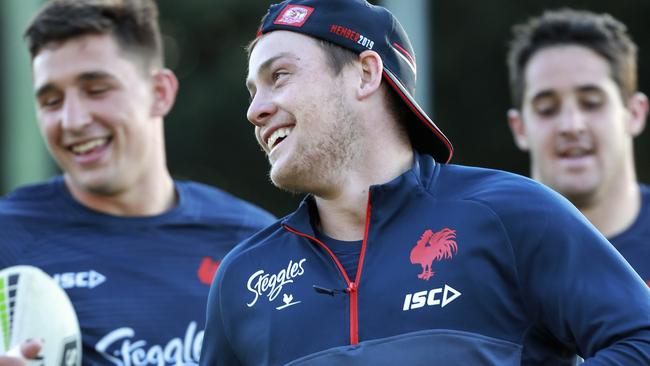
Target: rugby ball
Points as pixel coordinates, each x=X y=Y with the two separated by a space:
x=34 y=306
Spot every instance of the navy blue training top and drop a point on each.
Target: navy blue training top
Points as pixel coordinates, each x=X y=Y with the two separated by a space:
x=634 y=242
x=458 y=266
x=347 y=252
x=138 y=284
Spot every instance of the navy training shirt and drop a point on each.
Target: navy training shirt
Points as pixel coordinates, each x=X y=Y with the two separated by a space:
x=139 y=285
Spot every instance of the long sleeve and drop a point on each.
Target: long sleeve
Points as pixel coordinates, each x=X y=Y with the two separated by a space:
x=216 y=346
x=580 y=291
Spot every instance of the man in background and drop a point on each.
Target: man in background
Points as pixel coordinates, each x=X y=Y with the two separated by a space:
x=577 y=110
x=134 y=249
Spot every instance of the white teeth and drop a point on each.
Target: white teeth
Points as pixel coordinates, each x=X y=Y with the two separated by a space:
x=575 y=152
x=279 y=133
x=87 y=146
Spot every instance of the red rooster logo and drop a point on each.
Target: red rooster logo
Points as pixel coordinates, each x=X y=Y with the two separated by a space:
x=207 y=270
x=433 y=246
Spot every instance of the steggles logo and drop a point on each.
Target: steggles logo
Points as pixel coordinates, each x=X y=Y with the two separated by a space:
x=261 y=283
x=121 y=348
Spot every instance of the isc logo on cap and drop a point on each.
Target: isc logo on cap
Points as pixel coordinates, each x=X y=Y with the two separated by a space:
x=294 y=15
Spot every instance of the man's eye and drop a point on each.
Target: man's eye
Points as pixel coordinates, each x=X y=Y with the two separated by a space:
x=547 y=112
x=97 y=90
x=278 y=75
x=50 y=101
x=546 y=108
x=591 y=102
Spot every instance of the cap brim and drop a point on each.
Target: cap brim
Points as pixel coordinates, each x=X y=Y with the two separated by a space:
x=425 y=136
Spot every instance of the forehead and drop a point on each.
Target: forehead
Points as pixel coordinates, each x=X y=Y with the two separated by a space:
x=565 y=68
x=278 y=43
x=90 y=53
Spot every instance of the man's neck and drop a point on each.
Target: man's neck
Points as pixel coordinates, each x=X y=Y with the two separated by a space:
x=343 y=213
x=343 y=218
x=613 y=212
x=149 y=198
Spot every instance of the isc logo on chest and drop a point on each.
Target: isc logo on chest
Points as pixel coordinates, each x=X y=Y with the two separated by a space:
x=87 y=279
x=434 y=297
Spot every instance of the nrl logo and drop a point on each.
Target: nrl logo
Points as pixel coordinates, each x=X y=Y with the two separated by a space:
x=294 y=15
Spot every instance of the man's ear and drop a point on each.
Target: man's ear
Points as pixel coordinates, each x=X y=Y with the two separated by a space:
x=165 y=87
x=637 y=108
x=371 y=72
x=518 y=129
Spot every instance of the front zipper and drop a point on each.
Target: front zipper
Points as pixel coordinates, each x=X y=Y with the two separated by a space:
x=352 y=286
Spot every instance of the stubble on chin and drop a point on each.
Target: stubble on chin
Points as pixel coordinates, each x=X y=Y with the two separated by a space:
x=320 y=161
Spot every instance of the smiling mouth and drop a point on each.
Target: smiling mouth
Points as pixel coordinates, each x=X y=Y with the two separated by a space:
x=575 y=152
x=90 y=146
x=277 y=137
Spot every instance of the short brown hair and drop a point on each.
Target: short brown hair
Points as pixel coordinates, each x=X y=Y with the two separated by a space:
x=600 y=33
x=337 y=56
x=133 y=24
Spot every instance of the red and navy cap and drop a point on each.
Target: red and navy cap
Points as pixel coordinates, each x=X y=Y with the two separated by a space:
x=359 y=26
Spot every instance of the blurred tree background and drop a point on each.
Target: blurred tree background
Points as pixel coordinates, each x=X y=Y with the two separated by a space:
x=210 y=140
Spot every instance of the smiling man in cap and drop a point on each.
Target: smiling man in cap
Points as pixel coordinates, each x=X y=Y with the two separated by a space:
x=394 y=256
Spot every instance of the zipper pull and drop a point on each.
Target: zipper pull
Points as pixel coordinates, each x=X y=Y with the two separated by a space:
x=352 y=287
x=327 y=291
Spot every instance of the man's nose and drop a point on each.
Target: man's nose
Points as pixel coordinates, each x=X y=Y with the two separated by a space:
x=74 y=115
x=260 y=109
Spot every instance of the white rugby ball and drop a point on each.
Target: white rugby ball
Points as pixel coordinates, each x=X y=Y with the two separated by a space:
x=34 y=306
